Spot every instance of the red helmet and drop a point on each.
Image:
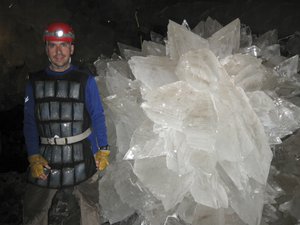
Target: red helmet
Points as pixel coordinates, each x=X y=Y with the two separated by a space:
x=59 y=32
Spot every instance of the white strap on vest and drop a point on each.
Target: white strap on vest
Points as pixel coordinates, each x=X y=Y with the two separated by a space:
x=66 y=140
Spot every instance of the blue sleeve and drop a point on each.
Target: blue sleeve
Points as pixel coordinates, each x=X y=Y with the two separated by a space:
x=30 y=127
x=98 y=138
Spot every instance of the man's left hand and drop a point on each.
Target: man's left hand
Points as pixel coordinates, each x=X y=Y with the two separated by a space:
x=101 y=159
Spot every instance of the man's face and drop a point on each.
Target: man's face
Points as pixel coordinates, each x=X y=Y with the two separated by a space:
x=59 y=54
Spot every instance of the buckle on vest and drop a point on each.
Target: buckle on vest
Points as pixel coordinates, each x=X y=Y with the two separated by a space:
x=51 y=141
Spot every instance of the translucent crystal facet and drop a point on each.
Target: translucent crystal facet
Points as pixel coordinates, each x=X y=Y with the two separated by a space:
x=226 y=41
x=181 y=40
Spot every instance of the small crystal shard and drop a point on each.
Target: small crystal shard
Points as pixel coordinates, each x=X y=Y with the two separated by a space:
x=112 y=207
x=153 y=71
x=153 y=48
x=271 y=51
x=181 y=40
x=206 y=28
x=266 y=39
x=127 y=51
x=246 y=36
x=246 y=71
x=164 y=184
x=288 y=68
x=226 y=41
x=279 y=117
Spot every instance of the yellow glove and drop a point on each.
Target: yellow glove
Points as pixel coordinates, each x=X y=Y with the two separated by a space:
x=37 y=164
x=101 y=158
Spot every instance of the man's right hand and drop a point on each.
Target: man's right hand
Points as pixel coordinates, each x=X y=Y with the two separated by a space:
x=37 y=164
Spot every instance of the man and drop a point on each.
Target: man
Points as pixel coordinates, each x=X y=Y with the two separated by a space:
x=65 y=136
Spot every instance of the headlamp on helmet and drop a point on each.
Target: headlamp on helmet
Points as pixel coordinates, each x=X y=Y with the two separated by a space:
x=59 y=32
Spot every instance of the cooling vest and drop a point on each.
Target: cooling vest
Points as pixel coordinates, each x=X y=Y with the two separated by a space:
x=60 y=112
